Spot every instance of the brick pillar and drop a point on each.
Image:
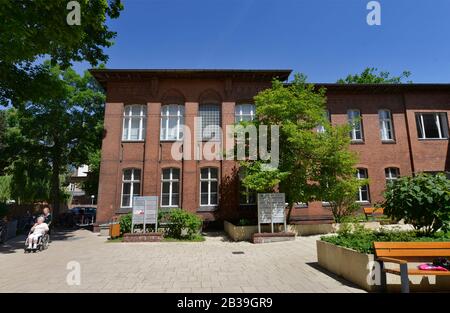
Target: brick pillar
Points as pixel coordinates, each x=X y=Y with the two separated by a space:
x=109 y=166
x=229 y=204
x=190 y=181
x=151 y=178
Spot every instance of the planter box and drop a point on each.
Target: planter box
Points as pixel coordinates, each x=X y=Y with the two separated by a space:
x=142 y=237
x=104 y=229
x=360 y=269
x=245 y=233
x=272 y=237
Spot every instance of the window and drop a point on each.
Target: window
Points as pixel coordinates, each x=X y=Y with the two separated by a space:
x=246 y=196
x=172 y=122
x=386 y=127
x=432 y=125
x=170 y=187
x=131 y=186
x=210 y=122
x=134 y=120
x=327 y=116
x=391 y=173
x=244 y=113
x=354 y=119
x=363 y=192
x=208 y=186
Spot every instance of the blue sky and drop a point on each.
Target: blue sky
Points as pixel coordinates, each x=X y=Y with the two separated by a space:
x=325 y=39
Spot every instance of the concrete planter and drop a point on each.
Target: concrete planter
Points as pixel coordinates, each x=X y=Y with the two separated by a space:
x=272 y=237
x=360 y=269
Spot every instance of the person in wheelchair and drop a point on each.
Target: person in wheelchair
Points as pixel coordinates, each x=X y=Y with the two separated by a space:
x=36 y=233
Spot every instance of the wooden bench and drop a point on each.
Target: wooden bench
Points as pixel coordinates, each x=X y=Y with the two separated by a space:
x=403 y=252
x=371 y=212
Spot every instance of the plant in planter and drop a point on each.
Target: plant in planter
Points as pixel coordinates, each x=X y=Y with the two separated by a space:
x=182 y=224
x=125 y=223
x=422 y=200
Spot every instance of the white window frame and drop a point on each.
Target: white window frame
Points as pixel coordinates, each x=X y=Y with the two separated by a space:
x=351 y=120
x=128 y=118
x=442 y=129
x=165 y=122
x=170 y=181
x=202 y=128
x=386 y=125
x=364 y=188
x=239 y=116
x=388 y=171
x=321 y=128
x=130 y=181
x=210 y=180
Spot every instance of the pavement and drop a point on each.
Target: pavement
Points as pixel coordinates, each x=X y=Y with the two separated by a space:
x=82 y=261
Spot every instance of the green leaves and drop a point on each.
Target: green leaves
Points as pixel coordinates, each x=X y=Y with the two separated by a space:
x=370 y=75
x=421 y=200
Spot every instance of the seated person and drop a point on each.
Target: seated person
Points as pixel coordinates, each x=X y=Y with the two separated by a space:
x=38 y=230
x=47 y=215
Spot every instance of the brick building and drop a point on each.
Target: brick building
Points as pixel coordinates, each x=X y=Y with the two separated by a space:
x=403 y=129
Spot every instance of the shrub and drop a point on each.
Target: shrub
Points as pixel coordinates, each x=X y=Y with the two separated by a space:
x=125 y=223
x=360 y=239
x=183 y=224
x=422 y=200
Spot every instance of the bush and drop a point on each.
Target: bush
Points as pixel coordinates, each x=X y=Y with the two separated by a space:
x=360 y=239
x=125 y=223
x=183 y=224
x=422 y=200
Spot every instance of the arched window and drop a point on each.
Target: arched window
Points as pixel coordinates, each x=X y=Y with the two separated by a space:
x=134 y=122
x=210 y=128
x=172 y=122
x=363 y=192
x=244 y=113
x=209 y=181
x=170 y=187
x=131 y=186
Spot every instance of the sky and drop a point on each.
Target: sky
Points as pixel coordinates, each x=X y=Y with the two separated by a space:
x=324 y=39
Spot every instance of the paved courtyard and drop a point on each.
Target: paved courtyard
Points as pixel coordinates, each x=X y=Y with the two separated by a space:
x=215 y=265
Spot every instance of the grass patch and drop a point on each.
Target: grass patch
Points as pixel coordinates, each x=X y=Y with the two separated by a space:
x=117 y=239
x=195 y=238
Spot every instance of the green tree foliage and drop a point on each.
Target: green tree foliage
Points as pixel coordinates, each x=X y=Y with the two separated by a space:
x=370 y=75
x=422 y=200
x=90 y=186
x=60 y=131
x=34 y=29
x=313 y=165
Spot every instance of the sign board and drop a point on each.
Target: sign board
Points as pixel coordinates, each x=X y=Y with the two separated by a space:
x=271 y=209
x=145 y=211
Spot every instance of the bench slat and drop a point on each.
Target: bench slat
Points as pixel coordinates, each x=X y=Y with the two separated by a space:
x=413 y=252
x=412 y=245
x=418 y=272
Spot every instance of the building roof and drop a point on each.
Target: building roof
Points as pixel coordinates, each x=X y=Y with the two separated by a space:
x=103 y=75
x=383 y=88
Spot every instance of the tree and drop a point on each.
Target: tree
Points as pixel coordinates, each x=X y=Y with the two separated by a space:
x=370 y=75
x=58 y=131
x=310 y=161
x=422 y=200
x=2 y=139
x=34 y=29
x=90 y=186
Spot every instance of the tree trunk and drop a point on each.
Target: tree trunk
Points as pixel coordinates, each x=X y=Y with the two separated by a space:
x=55 y=182
x=288 y=217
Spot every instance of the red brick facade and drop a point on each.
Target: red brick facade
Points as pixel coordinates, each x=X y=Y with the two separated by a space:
x=155 y=88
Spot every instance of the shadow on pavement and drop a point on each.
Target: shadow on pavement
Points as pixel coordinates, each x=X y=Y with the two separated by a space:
x=344 y=282
x=17 y=243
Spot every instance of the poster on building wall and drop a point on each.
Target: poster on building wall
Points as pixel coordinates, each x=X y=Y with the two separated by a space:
x=271 y=209
x=145 y=211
